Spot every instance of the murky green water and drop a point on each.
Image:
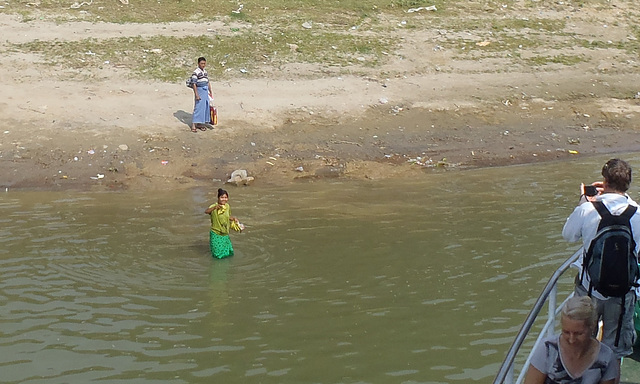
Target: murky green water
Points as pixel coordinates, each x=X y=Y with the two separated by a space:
x=425 y=281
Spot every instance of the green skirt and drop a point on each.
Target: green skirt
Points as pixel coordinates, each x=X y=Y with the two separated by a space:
x=220 y=245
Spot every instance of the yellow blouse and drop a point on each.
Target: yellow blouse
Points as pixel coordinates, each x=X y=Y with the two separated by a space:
x=220 y=219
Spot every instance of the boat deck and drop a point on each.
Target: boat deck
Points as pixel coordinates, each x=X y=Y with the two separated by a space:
x=631 y=369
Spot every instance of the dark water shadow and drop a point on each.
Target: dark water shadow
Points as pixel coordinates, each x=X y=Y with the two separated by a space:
x=635 y=356
x=183 y=117
x=201 y=248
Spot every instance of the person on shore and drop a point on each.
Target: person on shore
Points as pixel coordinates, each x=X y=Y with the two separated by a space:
x=610 y=202
x=221 y=223
x=573 y=356
x=202 y=92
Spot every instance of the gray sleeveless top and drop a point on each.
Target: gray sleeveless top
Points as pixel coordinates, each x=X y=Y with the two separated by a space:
x=546 y=359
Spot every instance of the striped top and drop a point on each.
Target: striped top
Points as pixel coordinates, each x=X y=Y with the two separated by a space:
x=200 y=77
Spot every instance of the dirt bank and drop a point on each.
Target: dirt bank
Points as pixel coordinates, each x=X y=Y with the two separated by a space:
x=428 y=108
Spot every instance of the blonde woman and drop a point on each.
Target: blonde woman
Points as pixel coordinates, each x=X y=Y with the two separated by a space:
x=574 y=356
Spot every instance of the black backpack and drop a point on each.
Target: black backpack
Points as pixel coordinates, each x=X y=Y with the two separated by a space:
x=611 y=260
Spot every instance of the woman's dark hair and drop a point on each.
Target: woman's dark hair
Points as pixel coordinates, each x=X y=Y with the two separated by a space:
x=222 y=192
x=617 y=174
x=201 y=58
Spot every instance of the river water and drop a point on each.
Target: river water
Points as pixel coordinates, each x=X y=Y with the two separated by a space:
x=420 y=281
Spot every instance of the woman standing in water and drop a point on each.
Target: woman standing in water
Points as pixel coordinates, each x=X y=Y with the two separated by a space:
x=202 y=91
x=221 y=222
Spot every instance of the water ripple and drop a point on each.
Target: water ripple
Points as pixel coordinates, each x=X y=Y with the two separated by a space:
x=426 y=280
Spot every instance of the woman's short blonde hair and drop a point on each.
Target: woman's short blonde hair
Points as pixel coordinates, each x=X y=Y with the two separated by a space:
x=581 y=308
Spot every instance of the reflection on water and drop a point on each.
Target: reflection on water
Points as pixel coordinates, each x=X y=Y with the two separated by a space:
x=419 y=282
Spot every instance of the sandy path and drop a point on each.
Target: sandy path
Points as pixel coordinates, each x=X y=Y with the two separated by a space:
x=14 y=31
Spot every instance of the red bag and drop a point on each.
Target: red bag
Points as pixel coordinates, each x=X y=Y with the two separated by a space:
x=214 y=115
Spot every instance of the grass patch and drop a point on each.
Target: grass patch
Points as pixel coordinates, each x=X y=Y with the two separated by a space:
x=169 y=58
x=556 y=59
x=344 y=33
x=505 y=25
x=630 y=46
x=544 y=25
x=155 y=11
x=253 y=11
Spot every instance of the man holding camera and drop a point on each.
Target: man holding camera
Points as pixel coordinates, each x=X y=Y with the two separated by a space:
x=588 y=221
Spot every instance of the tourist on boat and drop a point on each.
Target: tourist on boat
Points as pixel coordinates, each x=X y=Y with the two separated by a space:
x=221 y=223
x=574 y=356
x=616 y=312
x=202 y=92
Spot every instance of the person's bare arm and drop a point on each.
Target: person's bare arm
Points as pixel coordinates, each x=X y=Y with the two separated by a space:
x=534 y=376
x=195 y=91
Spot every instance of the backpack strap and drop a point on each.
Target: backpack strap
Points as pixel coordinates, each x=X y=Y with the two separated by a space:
x=629 y=212
x=622 y=311
x=605 y=215
x=627 y=215
x=608 y=219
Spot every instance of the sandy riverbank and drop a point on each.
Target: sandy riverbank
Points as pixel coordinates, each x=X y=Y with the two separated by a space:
x=432 y=109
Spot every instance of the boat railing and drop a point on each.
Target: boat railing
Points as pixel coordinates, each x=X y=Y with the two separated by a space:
x=506 y=373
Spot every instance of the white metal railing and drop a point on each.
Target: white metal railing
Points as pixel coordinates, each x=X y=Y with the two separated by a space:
x=506 y=373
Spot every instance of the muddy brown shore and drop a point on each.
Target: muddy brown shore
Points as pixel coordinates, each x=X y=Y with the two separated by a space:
x=383 y=144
